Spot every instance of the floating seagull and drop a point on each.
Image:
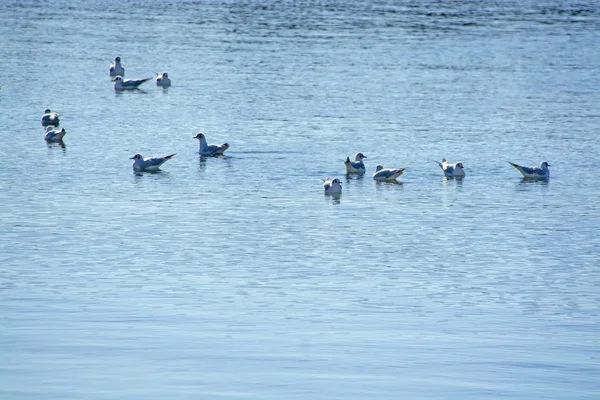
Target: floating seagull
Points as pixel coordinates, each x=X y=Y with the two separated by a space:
x=332 y=186
x=148 y=164
x=128 y=84
x=452 y=170
x=54 y=134
x=541 y=172
x=163 y=80
x=357 y=166
x=116 y=68
x=50 y=118
x=387 y=175
x=210 y=149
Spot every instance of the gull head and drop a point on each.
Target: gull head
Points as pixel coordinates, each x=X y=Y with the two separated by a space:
x=378 y=168
x=117 y=59
x=544 y=165
x=47 y=111
x=336 y=181
x=118 y=78
x=359 y=156
x=136 y=157
x=199 y=136
x=460 y=165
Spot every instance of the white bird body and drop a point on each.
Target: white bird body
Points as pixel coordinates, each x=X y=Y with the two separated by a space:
x=163 y=80
x=54 y=134
x=116 y=68
x=50 y=118
x=128 y=84
x=452 y=170
x=333 y=186
x=210 y=149
x=148 y=164
x=357 y=166
x=541 y=172
x=387 y=174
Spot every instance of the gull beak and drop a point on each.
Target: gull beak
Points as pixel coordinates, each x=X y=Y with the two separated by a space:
x=131 y=158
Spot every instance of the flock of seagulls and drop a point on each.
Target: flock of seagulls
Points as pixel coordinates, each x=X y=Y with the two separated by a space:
x=117 y=72
x=50 y=121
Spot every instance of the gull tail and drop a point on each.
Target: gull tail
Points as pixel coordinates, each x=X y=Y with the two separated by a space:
x=170 y=156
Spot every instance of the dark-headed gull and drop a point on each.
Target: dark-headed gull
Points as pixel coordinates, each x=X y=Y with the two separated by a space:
x=116 y=68
x=333 y=186
x=357 y=166
x=541 y=172
x=128 y=84
x=452 y=170
x=148 y=164
x=210 y=149
x=163 y=80
x=387 y=175
x=50 y=118
x=54 y=134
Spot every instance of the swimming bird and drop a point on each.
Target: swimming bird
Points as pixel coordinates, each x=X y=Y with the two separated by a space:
x=386 y=175
x=148 y=164
x=116 y=68
x=333 y=186
x=163 y=80
x=128 y=84
x=541 y=172
x=50 y=118
x=357 y=166
x=54 y=134
x=210 y=149
x=452 y=170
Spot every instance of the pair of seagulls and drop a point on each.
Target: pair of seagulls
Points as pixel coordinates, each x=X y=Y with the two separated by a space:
x=153 y=164
x=117 y=71
x=380 y=175
x=50 y=121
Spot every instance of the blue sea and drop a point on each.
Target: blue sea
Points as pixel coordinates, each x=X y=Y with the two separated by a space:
x=235 y=277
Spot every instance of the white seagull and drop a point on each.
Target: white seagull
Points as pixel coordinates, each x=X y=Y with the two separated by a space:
x=452 y=170
x=50 y=118
x=541 y=172
x=333 y=186
x=387 y=175
x=116 y=68
x=163 y=80
x=128 y=84
x=54 y=134
x=357 y=166
x=148 y=164
x=210 y=149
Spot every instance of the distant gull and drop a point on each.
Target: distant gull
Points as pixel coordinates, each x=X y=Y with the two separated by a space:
x=50 y=118
x=210 y=149
x=148 y=164
x=116 y=68
x=387 y=175
x=357 y=166
x=541 y=172
x=54 y=134
x=128 y=84
x=333 y=186
x=452 y=170
x=163 y=80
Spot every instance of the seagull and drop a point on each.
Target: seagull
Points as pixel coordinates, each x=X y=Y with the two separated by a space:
x=541 y=172
x=210 y=149
x=128 y=84
x=452 y=170
x=148 y=164
x=387 y=175
x=50 y=118
x=116 y=68
x=163 y=80
x=357 y=166
x=332 y=186
x=54 y=134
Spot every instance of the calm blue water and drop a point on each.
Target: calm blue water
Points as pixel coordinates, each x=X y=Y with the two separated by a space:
x=235 y=277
